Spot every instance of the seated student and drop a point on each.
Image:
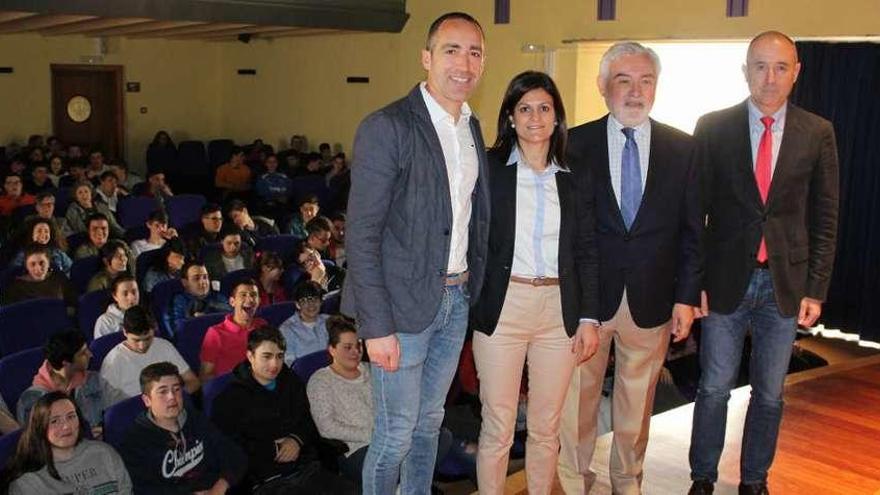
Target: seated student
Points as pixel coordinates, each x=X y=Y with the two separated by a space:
x=172 y=449
x=197 y=297
x=166 y=265
x=114 y=256
x=340 y=397
x=336 y=249
x=235 y=175
x=225 y=344
x=57 y=169
x=98 y=231
x=39 y=180
x=124 y=177
x=14 y=195
x=8 y=424
x=252 y=228
x=54 y=454
x=66 y=369
x=45 y=209
x=108 y=191
x=307 y=209
x=96 y=166
x=39 y=281
x=121 y=369
x=159 y=233
x=233 y=254
x=330 y=278
x=38 y=230
x=125 y=294
x=305 y=330
x=265 y=410
x=155 y=187
x=76 y=173
x=269 y=269
x=320 y=232
x=206 y=231
x=83 y=207
x=273 y=188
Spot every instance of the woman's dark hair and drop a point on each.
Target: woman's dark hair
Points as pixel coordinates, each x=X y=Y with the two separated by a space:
x=34 y=452
x=173 y=245
x=338 y=325
x=160 y=134
x=108 y=251
x=519 y=86
x=56 y=240
x=268 y=258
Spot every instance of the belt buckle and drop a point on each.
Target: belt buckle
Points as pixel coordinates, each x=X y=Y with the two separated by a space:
x=538 y=281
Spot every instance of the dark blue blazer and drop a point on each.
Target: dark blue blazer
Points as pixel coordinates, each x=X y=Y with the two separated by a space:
x=400 y=221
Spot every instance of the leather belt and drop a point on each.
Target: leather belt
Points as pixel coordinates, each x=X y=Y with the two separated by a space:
x=535 y=281
x=455 y=279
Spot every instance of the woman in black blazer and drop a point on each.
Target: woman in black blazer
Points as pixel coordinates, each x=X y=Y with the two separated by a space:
x=539 y=301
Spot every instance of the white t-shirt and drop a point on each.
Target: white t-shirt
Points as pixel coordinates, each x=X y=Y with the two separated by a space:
x=122 y=367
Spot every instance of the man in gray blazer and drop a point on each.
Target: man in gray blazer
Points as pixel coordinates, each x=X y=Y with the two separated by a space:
x=418 y=217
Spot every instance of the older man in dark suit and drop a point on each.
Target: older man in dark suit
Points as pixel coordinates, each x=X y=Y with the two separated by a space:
x=770 y=186
x=416 y=244
x=648 y=227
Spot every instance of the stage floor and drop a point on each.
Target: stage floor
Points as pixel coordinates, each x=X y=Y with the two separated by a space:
x=829 y=443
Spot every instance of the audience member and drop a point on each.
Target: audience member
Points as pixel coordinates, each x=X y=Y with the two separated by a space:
x=96 y=166
x=125 y=178
x=319 y=232
x=162 y=140
x=336 y=249
x=207 y=231
x=159 y=233
x=66 y=370
x=84 y=206
x=225 y=344
x=156 y=187
x=252 y=228
x=269 y=269
x=57 y=170
x=45 y=208
x=166 y=265
x=54 y=454
x=307 y=209
x=108 y=191
x=41 y=231
x=122 y=366
x=275 y=429
x=173 y=449
x=330 y=277
x=326 y=154
x=76 y=174
x=115 y=258
x=233 y=254
x=98 y=231
x=233 y=176
x=13 y=195
x=273 y=188
x=39 y=281
x=39 y=180
x=196 y=299
x=125 y=295
x=306 y=329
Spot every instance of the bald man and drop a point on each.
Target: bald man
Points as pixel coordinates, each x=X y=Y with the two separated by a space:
x=769 y=180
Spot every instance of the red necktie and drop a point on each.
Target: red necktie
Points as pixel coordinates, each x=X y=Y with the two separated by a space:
x=763 y=173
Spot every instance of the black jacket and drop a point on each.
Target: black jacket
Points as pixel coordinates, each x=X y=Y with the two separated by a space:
x=199 y=456
x=254 y=417
x=657 y=260
x=577 y=263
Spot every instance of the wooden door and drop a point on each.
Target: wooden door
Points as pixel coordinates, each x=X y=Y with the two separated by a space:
x=87 y=107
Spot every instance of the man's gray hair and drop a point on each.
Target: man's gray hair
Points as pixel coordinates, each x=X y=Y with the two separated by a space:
x=624 y=48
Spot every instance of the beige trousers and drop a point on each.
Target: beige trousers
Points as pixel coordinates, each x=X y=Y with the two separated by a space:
x=639 y=355
x=529 y=329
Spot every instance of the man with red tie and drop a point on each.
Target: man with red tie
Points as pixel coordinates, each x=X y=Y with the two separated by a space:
x=769 y=180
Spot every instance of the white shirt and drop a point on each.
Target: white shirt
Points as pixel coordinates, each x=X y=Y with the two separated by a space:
x=616 y=140
x=462 y=165
x=756 y=130
x=121 y=369
x=538 y=217
x=109 y=322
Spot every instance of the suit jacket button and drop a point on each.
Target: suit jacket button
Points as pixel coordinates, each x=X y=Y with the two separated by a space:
x=446 y=232
x=627 y=237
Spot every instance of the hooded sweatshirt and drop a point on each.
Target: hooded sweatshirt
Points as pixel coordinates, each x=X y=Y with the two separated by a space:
x=193 y=459
x=254 y=417
x=85 y=387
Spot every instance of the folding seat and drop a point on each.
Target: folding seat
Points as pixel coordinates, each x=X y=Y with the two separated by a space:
x=90 y=307
x=160 y=301
x=8 y=444
x=305 y=366
x=211 y=389
x=302 y=186
x=134 y=211
x=28 y=324
x=219 y=151
x=18 y=372
x=102 y=346
x=83 y=270
x=230 y=279
x=161 y=159
x=190 y=335
x=119 y=418
x=184 y=209
x=143 y=263
x=283 y=245
x=276 y=313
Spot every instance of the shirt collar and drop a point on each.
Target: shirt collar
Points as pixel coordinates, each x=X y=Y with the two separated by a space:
x=439 y=113
x=755 y=116
x=616 y=126
x=515 y=158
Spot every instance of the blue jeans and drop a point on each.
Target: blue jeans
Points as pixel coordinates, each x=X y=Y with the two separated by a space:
x=408 y=403
x=720 y=353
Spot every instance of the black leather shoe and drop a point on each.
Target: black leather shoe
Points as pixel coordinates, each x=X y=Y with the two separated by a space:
x=701 y=487
x=753 y=489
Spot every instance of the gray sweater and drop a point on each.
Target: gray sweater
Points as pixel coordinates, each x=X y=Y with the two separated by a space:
x=342 y=408
x=94 y=469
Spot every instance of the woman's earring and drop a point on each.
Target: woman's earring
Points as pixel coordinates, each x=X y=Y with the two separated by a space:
x=512 y=125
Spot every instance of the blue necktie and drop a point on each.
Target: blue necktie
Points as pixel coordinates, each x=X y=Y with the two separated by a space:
x=630 y=179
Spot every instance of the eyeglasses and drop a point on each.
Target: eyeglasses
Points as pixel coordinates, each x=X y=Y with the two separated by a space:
x=309 y=300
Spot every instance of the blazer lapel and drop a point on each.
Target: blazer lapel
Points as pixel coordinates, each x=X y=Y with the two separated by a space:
x=426 y=132
x=742 y=143
x=654 y=152
x=603 y=175
x=791 y=143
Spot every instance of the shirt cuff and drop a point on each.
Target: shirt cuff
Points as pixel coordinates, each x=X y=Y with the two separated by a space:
x=589 y=320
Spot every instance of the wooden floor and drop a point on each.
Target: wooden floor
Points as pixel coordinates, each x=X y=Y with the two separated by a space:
x=829 y=443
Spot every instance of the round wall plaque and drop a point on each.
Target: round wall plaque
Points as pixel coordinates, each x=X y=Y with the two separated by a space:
x=79 y=109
